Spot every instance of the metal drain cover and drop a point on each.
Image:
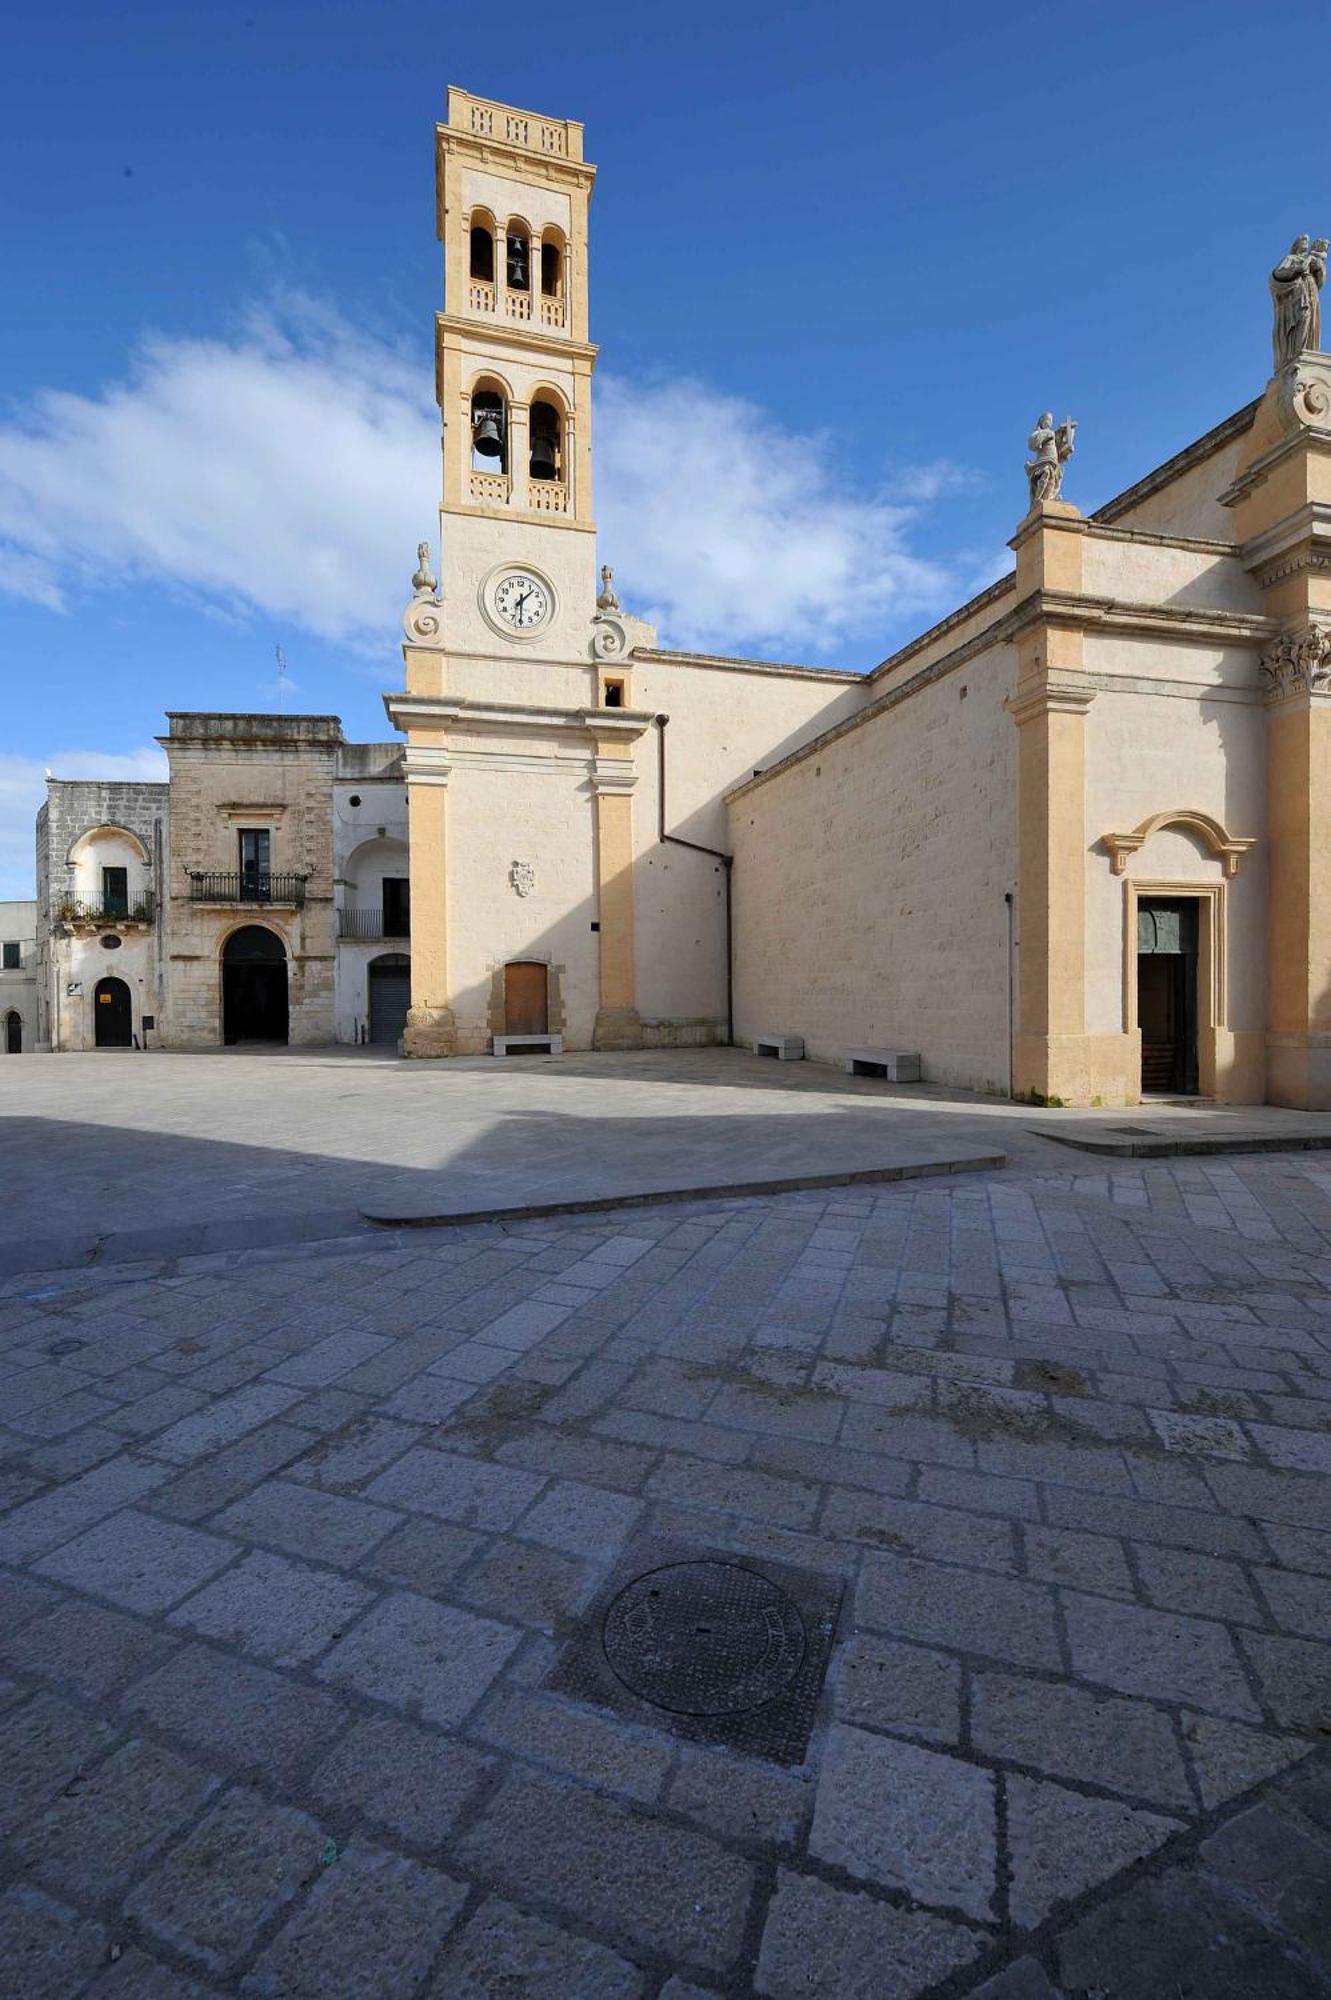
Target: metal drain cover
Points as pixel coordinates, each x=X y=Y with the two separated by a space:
x=704 y=1638
x=716 y=1646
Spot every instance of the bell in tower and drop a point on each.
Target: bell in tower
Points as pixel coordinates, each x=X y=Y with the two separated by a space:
x=487 y=424
x=544 y=462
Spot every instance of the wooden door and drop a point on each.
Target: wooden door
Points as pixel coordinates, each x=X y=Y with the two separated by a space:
x=526 y=1008
x=113 y=1018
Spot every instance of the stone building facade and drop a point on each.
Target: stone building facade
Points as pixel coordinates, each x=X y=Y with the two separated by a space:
x=1070 y=843
x=18 y=978
x=249 y=898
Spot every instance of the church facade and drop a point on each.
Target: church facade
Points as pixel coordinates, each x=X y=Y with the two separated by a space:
x=1069 y=844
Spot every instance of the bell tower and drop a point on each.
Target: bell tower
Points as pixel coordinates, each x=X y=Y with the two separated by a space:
x=513 y=369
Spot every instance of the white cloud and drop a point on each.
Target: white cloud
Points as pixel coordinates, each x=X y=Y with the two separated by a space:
x=23 y=787
x=729 y=531
x=291 y=468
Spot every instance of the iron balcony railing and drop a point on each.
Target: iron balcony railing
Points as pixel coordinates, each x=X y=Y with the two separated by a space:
x=208 y=885
x=104 y=911
x=372 y=924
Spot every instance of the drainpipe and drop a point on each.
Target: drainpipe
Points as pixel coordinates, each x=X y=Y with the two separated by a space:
x=727 y=862
x=1010 y=900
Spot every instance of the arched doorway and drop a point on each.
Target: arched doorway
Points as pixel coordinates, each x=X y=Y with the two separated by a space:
x=390 y=997
x=526 y=999
x=112 y=1015
x=13 y=1033
x=254 y=986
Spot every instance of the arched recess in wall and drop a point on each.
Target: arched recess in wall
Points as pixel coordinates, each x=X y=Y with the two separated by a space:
x=255 y=987
x=517 y=254
x=554 y=257
x=481 y=240
x=546 y=435
x=489 y=424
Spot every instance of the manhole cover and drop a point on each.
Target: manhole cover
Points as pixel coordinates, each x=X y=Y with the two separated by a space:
x=704 y=1638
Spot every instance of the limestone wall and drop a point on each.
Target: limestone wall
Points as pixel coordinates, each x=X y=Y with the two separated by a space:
x=18 y=984
x=870 y=878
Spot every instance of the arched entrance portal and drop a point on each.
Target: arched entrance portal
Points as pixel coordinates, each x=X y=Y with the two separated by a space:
x=13 y=1033
x=390 y=997
x=254 y=986
x=526 y=999
x=112 y=1015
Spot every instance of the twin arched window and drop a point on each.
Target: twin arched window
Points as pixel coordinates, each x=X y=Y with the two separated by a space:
x=517 y=255
x=490 y=434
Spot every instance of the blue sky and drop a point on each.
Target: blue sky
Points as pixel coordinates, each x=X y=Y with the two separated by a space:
x=841 y=257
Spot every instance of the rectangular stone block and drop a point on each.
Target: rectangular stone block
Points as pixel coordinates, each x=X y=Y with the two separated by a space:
x=407 y=1779
x=373 y=1923
x=223 y=1421
x=284 y=1611
x=138 y=1561
x=466 y=1490
x=994 y=1615
x=1123 y=1745
x=1156 y=1653
x=325 y=1527
x=54 y=1517
x=237 y=1714
x=430 y=1659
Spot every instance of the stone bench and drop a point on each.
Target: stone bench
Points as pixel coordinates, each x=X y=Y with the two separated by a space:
x=526 y=1045
x=786 y=1048
x=897 y=1065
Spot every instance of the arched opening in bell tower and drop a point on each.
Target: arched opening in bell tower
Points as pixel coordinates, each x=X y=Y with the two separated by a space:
x=482 y=246
x=546 y=427
x=489 y=429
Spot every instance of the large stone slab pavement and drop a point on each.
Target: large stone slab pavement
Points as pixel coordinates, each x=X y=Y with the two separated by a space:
x=290 y=1539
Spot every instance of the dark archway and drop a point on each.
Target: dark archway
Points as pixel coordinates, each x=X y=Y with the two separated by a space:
x=13 y=1033
x=112 y=1015
x=254 y=986
x=390 y=997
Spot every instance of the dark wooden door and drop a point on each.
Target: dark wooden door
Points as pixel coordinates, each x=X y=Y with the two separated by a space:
x=113 y=1019
x=1167 y=935
x=13 y=1034
x=526 y=1006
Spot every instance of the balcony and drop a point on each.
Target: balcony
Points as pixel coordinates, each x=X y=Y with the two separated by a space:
x=548 y=496
x=106 y=913
x=490 y=487
x=208 y=885
x=372 y=924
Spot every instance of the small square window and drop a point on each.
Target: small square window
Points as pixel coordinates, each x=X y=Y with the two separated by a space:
x=11 y=955
x=613 y=694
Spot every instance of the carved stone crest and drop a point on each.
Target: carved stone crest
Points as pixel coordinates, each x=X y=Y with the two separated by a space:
x=523 y=877
x=1298 y=663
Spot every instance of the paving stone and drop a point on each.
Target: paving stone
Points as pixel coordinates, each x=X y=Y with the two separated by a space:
x=238 y=1714
x=137 y=1977
x=1126 y=1746
x=430 y=1659
x=1156 y=1653
x=592 y=1747
x=682 y=1989
x=526 y=1584
x=102 y=1831
x=607 y=1866
x=906 y=1818
x=931 y=1440
x=820 y=1941
x=354 y=1452
x=994 y=1615
x=226 y=1419
x=982 y=1492
x=742 y=1798
x=1229 y=1758
x=285 y=1611
x=938 y=1533
x=372 y=1924
x=405 y=1778
x=1199 y=1436
x=329 y=1359
x=1294 y=1676
x=1090 y=1562
x=1300 y=1548
x=758 y=1495
x=595 y=1460
x=44 y=1746
x=1177 y=1933
x=216 y=1480
x=1061 y=1843
x=1288 y=1497
x=584 y=1520
x=505 y=1953
x=141 y=1562
x=425 y=1555
x=905 y=1689
x=833 y=1465
x=1309 y=1791
x=1146 y=1521
x=1297 y=1450
x=323 y=1527
x=1278 y=1868
x=1024 y=1980
x=1180 y=1580
x=42 y=1524
x=22 y=1598
x=226 y=1882
x=1298 y=1603
x=465 y=1490
x=47 y=1951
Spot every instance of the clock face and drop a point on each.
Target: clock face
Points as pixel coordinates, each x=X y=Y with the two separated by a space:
x=522 y=601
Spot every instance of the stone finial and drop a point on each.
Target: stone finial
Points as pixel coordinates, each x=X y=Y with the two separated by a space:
x=1296 y=299
x=608 y=600
x=1053 y=446
x=424 y=583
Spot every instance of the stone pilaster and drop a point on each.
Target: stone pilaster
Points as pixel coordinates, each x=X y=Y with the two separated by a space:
x=1281 y=499
x=431 y=1029
x=618 y=1025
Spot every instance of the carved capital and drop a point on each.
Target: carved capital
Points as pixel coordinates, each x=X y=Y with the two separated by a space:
x=1297 y=663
